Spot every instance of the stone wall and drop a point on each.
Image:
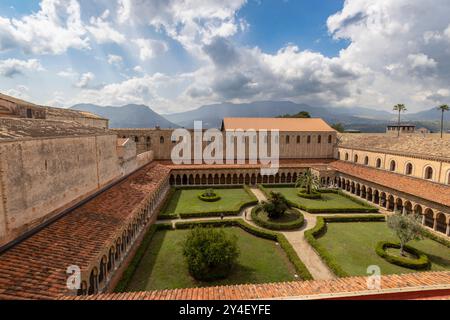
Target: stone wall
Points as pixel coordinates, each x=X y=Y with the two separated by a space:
x=39 y=177
x=299 y=145
x=384 y=160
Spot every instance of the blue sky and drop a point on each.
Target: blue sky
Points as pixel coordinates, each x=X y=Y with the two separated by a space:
x=176 y=55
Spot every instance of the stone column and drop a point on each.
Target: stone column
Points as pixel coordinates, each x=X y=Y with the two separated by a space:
x=434 y=223
x=423 y=219
x=447 y=232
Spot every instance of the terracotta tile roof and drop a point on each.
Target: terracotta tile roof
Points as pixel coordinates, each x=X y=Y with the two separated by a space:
x=282 y=124
x=410 y=144
x=297 y=163
x=36 y=267
x=314 y=289
x=417 y=187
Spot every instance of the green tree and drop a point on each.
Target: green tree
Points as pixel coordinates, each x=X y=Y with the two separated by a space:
x=301 y=114
x=210 y=253
x=339 y=127
x=399 y=108
x=308 y=181
x=276 y=205
x=406 y=227
x=443 y=108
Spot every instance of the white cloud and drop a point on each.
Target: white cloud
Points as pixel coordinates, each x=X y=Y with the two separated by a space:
x=191 y=22
x=12 y=67
x=56 y=27
x=103 y=31
x=68 y=73
x=115 y=59
x=149 y=48
x=85 y=80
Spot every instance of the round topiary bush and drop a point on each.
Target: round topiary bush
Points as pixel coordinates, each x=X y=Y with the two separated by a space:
x=210 y=253
x=313 y=195
x=421 y=261
x=209 y=196
x=290 y=220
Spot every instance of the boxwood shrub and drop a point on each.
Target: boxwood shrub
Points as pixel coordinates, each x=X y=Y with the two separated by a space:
x=368 y=208
x=270 y=235
x=422 y=261
x=188 y=215
x=273 y=225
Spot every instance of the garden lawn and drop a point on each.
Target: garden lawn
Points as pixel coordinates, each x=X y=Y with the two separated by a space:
x=352 y=245
x=163 y=265
x=328 y=201
x=187 y=201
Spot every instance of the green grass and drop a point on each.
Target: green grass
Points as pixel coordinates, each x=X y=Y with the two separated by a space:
x=331 y=201
x=186 y=201
x=352 y=246
x=288 y=216
x=164 y=267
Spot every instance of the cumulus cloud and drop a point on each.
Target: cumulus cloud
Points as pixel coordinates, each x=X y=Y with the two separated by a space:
x=85 y=80
x=149 y=48
x=11 y=67
x=56 y=27
x=103 y=31
x=191 y=22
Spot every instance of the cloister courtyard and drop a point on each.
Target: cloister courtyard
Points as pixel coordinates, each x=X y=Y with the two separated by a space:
x=345 y=246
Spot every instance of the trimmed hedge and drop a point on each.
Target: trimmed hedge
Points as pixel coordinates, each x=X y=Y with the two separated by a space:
x=167 y=216
x=214 y=198
x=274 y=236
x=435 y=237
x=368 y=209
x=313 y=195
x=422 y=262
x=131 y=269
x=311 y=235
x=273 y=225
x=188 y=215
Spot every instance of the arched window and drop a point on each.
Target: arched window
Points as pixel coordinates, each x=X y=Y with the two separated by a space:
x=448 y=179
x=378 y=163
x=356 y=158
x=392 y=166
x=308 y=140
x=429 y=173
x=366 y=161
x=136 y=139
x=330 y=138
x=409 y=169
x=346 y=156
x=298 y=139
x=288 y=139
x=319 y=139
x=161 y=140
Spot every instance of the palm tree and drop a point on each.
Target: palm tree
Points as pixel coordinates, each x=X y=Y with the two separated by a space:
x=443 y=108
x=308 y=181
x=400 y=108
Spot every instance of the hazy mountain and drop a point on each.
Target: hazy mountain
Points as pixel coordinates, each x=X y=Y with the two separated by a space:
x=129 y=116
x=212 y=115
x=428 y=115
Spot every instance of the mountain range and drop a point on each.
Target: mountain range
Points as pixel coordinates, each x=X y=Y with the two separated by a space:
x=364 y=119
x=129 y=116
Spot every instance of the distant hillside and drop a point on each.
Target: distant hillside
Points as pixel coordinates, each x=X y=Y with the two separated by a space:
x=212 y=115
x=428 y=115
x=129 y=116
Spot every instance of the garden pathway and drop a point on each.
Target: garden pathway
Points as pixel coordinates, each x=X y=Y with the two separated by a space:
x=296 y=238
x=318 y=269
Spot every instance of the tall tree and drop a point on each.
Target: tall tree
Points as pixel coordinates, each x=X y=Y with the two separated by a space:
x=400 y=108
x=339 y=127
x=443 y=108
